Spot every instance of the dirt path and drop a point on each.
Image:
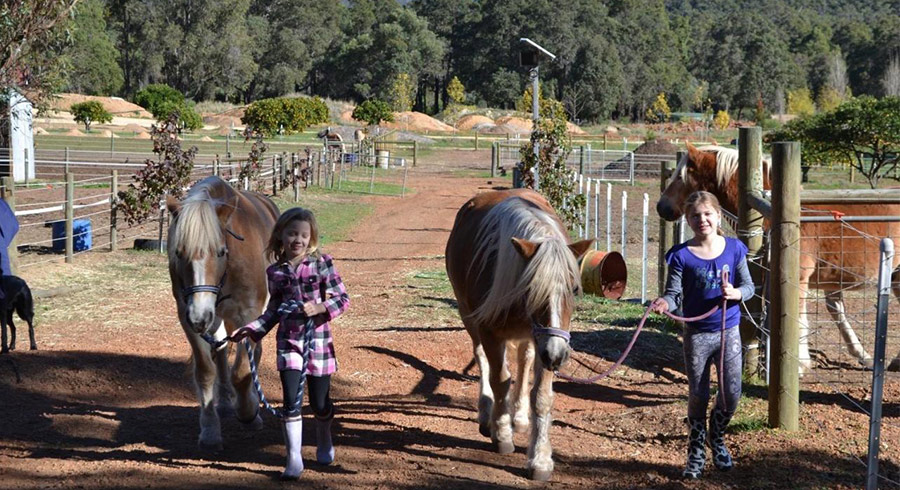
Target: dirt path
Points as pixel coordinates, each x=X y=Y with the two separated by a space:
x=107 y=403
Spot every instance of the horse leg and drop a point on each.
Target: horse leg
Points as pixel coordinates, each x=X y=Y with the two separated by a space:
x=224 y=392
x=486 y=396
x=205 y=379
x=895 y=287
x=540 y=453
x=242 y=382
x=501 y=426
x=834 y=301
x=522 y=406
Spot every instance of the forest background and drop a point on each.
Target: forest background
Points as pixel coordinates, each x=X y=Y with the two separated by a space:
x=752 y=58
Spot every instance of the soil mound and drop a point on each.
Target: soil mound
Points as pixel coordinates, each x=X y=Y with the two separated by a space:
x=656 y=147
x=416 y=121
x=40 y=131
x=516 y=124
x=206 y=138
x=116 y=106
x=573 y=128
x=142 y=135
x=472 y=121
x=73 y=132
x=223 y=121
x=135 y=128
x=106 y=133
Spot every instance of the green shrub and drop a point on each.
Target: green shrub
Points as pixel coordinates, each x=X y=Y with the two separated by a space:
x=89 y=112
x=285 y=115
x=162 y=101
x=373 y=111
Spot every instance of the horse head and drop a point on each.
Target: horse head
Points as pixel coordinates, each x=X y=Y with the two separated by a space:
x=557 y=283
x=691 y=174
x=198 y=256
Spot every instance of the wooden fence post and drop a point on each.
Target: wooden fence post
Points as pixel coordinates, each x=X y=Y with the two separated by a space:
x=666 y=230
x=415 y=153
x=784 y=309
x=8 y=194
x=113 y=201
x=70 y=217
x=750 y=180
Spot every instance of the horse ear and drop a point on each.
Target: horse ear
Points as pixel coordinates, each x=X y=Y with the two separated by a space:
x=225 y=209
x=579 y=248
x=713 y=141
x=694 y=154
x=525 y=248
x=173 y=205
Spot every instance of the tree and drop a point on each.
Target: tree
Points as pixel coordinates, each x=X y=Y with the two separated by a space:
x=864 y=132
x=891 y=79
x=456 y=91
x=800 y=103
x=94 y=58
x=372 y=112
x=284 y=115
x=89 y=112
x=659 y=111
x=169 y=175
x=162 y=101
x=401 y=92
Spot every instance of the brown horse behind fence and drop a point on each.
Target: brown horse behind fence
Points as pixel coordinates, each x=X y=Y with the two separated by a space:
x=217 y=265
x=515 y=274
x=833 y=257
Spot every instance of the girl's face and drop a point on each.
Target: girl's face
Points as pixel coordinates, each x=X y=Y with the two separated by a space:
x=295 y=239
x=703 y=220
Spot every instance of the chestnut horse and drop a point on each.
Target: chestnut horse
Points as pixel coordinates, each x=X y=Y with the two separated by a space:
x=833 y=257
x=217 y=264
x=515 y=275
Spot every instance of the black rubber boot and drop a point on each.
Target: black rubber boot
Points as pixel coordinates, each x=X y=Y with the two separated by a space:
x=718 y=420
x=696 y=452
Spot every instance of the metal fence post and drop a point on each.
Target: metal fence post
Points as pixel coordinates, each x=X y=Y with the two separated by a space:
x=70 y=216
x=884 y=294
x=113 y=201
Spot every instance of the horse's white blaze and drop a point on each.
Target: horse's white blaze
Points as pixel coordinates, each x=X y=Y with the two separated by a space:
x=200 y=304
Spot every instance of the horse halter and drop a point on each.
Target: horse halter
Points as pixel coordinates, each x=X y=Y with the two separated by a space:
x=538 y=330
x=188 y=291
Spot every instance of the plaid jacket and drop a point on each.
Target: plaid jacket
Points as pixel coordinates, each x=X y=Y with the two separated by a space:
x=313 y=280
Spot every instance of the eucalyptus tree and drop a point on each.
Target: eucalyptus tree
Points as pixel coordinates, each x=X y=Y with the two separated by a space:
x=95 y=68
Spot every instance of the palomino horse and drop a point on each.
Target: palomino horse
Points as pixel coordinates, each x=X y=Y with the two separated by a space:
x=217 y=265
x=515 y=274
x=833 y=258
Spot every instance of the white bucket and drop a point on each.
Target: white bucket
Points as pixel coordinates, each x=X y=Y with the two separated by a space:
x=383 y=158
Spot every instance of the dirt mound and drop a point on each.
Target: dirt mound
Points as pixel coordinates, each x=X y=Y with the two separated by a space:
x=142 y=135
x=116 y=106
x=106 y=133
x=223 y=121
x=416 y=121
x=73 y=132
x=347 y=117
x=206 y=138
x=40 y=131
x=470 y=121
x=135 y=128
x=573 y=128
x=517 y=124
x=656 y=147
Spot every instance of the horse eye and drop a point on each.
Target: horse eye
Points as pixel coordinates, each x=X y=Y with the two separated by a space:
x=222 y=251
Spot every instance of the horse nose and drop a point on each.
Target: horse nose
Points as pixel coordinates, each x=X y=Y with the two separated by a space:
x=199 y=322
x=555 y=354
x=664 y=212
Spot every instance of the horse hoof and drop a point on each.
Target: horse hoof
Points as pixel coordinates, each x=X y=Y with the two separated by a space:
x=520 y=426
x=255 y=424
x=225 y=411
x=894 y=365
x=506 y=447
x=210 y=447
x=867 y=363
x=485 y=430
x=540 y=475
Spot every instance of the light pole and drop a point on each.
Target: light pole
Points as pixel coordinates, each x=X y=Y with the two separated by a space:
x=529 y=56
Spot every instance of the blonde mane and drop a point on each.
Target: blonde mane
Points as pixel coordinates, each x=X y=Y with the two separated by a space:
x=551 y=273
x=196 y=231
x=726 y=164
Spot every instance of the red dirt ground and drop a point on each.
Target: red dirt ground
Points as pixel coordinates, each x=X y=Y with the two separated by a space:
x=115 y=409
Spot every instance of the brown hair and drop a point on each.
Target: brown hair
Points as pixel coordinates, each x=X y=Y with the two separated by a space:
x=275 y=250
x=703 y=197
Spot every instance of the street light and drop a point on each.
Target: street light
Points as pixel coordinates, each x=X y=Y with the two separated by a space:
x=529 y=57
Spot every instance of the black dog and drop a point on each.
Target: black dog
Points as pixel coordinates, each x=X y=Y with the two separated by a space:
x=17 y=297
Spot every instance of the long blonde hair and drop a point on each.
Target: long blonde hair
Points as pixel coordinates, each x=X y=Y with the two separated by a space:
x=275 y=248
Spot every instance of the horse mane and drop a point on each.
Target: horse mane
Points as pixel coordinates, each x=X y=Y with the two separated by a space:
x=726 y=164
x=551 y=273
x=196 y=231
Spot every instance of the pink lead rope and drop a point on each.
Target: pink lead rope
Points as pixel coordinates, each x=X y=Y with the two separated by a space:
x=594 y=379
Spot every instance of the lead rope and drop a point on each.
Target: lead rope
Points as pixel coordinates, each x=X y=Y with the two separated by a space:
x=720 y=370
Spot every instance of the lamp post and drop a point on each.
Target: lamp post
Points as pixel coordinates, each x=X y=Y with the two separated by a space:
x=529 y=56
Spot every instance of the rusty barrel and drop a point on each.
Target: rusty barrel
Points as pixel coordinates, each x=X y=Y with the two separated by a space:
x=603 y=273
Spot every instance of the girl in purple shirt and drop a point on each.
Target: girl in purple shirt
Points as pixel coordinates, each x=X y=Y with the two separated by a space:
x=695 y=284
x=305 y=279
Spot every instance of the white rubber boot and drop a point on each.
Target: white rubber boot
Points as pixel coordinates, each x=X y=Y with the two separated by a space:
x=293 y=442
x=324 y=446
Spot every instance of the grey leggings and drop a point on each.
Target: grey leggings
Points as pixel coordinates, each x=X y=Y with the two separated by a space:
x=701 y=351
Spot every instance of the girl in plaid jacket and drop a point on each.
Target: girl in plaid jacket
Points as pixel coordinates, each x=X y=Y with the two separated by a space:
x=303 y=285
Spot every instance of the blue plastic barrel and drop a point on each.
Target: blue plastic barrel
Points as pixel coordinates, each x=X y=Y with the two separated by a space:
x=81 y=235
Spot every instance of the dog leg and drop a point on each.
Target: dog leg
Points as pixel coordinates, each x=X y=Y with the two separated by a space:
x=31 y=335
x=4 y=347
x=12 y=330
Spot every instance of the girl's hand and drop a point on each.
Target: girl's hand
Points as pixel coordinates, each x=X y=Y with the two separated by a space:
x=244 y=332
x=659 y=305
x=312 y=308
x=731 y=293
